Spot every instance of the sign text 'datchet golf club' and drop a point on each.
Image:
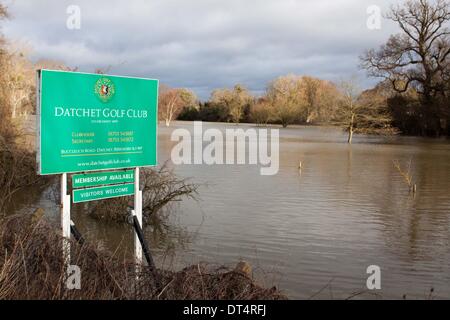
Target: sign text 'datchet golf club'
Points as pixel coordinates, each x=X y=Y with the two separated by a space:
x=95 y=122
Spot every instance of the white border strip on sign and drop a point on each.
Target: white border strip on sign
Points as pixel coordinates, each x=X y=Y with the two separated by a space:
x=138 y=213
x=38 y=121
x=101 y=74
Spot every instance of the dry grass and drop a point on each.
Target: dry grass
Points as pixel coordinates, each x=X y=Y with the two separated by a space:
x=31 y=267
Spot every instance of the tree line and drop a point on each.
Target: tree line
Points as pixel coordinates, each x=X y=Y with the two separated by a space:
x=290 y=99
x=412 y=96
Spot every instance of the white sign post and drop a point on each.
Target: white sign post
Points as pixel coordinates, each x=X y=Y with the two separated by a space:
x=138 y=213
x=65 y=220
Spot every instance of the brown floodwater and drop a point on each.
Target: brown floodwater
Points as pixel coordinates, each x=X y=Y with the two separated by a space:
x=311 y=232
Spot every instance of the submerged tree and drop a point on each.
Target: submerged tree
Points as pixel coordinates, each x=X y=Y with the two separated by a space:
x=349 y=107
x=363 y=112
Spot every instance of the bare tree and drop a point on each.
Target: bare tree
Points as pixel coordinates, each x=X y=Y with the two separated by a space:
x=3 y=12
x=261 y=111
x=235 y=100
x=311 y=88
x=363 y=112
x=419 y=55
x=327 y=102
x=285 y=95
x=172 y=100
x=240 y=99
x=349 y=106
x=406 y=175
x=102 y=70
x=374 y=113
x=320 y=98
x=20 y=82
x=57 y=65
x=221 y=96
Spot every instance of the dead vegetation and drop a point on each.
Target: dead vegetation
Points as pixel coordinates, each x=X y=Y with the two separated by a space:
x=160 y=188
x=406 y=175
x=17 y=163
x=204 y=282
x=17 y=171
x=31 y=267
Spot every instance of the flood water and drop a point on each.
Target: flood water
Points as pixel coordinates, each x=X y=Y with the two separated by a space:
x=312 y=232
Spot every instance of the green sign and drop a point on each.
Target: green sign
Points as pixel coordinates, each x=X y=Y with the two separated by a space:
x=106 y=192
x=101 y=178
x=90 y=122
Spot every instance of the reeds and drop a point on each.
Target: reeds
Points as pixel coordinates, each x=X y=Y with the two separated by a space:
x=406 y=175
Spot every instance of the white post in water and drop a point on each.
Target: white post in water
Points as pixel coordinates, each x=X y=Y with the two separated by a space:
x=65 y=219
x=138 y=213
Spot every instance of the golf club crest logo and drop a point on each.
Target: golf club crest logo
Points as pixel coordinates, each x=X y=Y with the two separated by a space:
x=104 y=89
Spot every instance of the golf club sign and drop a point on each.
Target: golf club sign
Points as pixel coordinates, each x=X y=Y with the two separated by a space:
x=95 y=122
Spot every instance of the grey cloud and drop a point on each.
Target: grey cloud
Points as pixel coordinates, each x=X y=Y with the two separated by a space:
x=203 y=44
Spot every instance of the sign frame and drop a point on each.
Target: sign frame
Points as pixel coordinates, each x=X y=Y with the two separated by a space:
x=67 y=198
x=39 y=124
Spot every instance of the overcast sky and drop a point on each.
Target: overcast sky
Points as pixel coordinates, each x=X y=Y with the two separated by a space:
x=203 y=44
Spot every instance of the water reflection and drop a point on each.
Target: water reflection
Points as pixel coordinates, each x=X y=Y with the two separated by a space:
x=164 y=232
x=347 y=208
